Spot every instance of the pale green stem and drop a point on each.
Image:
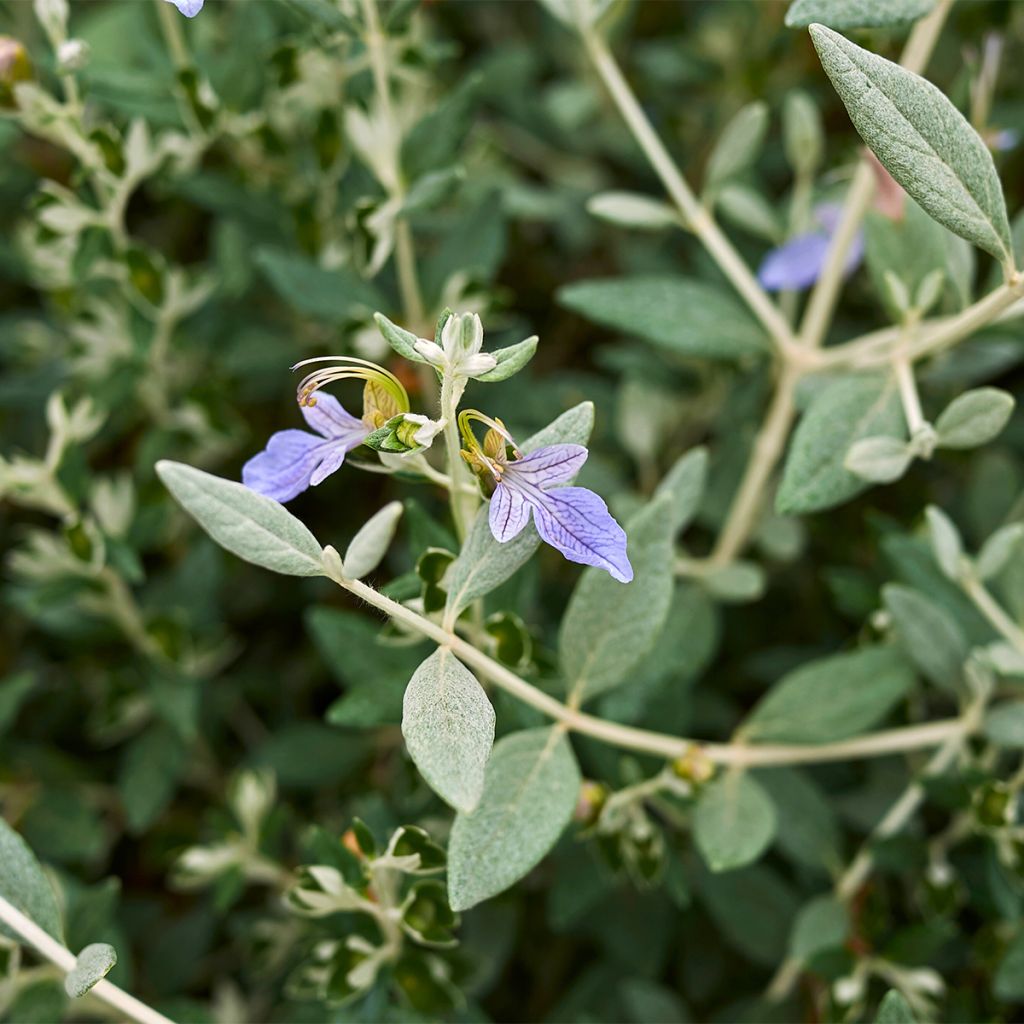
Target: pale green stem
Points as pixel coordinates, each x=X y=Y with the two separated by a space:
x=456 y=467
x=49 y=948
x=993 y=611
x=694 y=215
x=765 y=454
x=911 y=400
x=647 y=741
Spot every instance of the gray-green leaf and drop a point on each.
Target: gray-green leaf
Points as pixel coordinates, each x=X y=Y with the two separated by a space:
x=734 y=822
x=608 y=628
x=254 y=527
x=93 y=964
x=685 y=483
x=879 y=460
x=894 y=1009
x=401 y=340
x=23 y=884
x=830 y=699
x=684 y=316
x=823 y=923
x=448 y=725
x=371 y=543
x=931 y=637
x=844 y=14
x=633 y=210
x=922 y=140
x=530 y=792
x=842 y=413
x=974 y=418
x=510 y=360
x=739 y=144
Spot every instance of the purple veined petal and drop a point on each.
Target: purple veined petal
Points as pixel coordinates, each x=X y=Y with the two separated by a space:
x=329 y=418
x=287 y=465
x=577 y=522
x=509 y=513
x=190 y=8
x=331 y=463
x=795 y=265
x=548 y=466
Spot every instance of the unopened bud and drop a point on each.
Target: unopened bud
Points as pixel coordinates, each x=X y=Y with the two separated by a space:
x=15 y=67
x=72 y=55
x=591 y=799
x=694 y=766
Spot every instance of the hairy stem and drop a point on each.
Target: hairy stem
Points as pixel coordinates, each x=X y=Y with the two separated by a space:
x=456 y=467
x=47 y=946
x=993 y=611
x=765 y=453
x=647 y=741
x=694 y=215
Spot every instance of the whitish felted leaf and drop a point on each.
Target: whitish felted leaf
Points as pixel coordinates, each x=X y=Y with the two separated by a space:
x=633 y=210
x=734 y=822
x=254 y=527
x=830 y=699
x=23 y=884
x=530 y=791
x=922 y=140
x=93 y=964
x=844 y=14
x=448 y=725
x=974 y=418
x=684 y=316
x=484 y=564
x=371 y=543
x=510 y=360
x=608 y=628
x=842 y=413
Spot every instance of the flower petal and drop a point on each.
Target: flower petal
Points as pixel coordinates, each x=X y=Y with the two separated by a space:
x=287 y=465
x=553 y=464
x=475 y=365
x=190 y=8
x=795 y=265
x=431 y=351
x=508 y=514
x=329 y=417
x=577 y=522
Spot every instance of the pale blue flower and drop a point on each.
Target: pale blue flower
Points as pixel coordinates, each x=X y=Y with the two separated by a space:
x=574 y=520
x=190 y=8
x=798 y=263
x=296 y=459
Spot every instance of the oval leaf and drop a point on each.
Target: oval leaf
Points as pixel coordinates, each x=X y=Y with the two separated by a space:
x=530 y=792
x=448 y=725
x=256 y=528
x=94 y=964
x=844 y=14
x=922 y=140
x=974 y=418
x=371 y=543
x=734 y=822
x=23 y=884
x=830 y=699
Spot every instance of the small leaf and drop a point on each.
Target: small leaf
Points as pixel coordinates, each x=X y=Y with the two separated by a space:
x=945 y=539
x=531 y=787
x=632 y=210
x=974 y=418
x=510 y=360
x=607 y=629
x=823 y=923
x=734 y=821
x=371 y=543
x=997 y=551
x=932 y=638
x=922 y=140
x=844 y=14
x=93 y=964
x=23 y=884
x=401 y=340
x=842 y=413
x=739 y=144
x=831 y=698
x=252 y=526
x=334 y=295
x=484 y=564
x=680 y=315
x=685 y=482
x=879 y=460
x=802 y=132
x=894 y=1009
x=1004 y=725
x=448 y=725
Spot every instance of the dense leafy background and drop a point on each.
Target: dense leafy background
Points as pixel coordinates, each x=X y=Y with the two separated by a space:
x=114 y=756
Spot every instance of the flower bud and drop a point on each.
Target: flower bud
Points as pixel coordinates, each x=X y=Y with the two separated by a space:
x=15 y=67
x=591 y=799
x=72 y=55
x=694 y=766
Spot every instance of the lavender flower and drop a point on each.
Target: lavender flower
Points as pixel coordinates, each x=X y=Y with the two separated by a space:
x=798 y=263
x=296 y=459
x=190 y=8
x=574 y=520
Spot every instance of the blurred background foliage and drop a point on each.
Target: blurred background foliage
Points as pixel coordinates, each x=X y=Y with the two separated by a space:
x=141 y=668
